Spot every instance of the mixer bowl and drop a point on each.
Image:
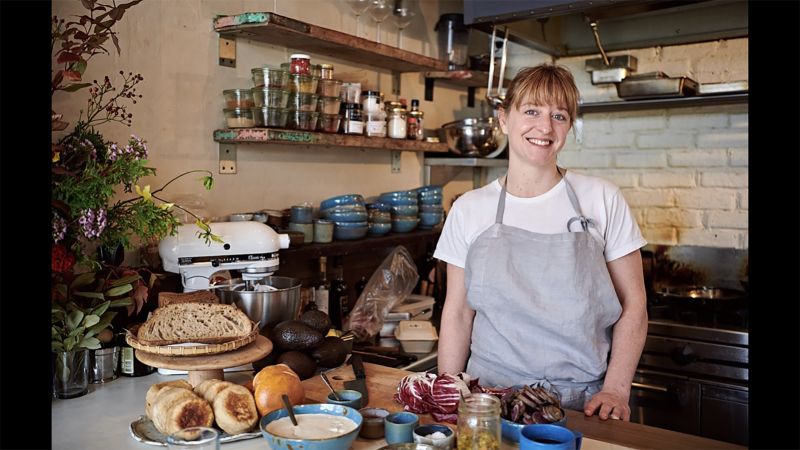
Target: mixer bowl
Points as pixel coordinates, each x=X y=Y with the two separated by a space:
x=475 y=137
x=266 y=307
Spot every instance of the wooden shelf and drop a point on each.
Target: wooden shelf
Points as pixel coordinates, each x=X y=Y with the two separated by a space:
x=471 y=79
x=286 y=32
x=655 y=103
x=367 y=244
x=466 y=162
x=284 y=137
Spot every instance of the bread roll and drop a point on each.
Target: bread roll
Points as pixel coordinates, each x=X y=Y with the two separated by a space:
x=175 y=408
x=235 y=409
x=209 y=389
x=273 y=381
x=156 y=388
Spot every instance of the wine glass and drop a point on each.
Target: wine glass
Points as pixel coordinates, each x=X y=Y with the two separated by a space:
x=379 y=10
x=358 y=7
x=402 y=17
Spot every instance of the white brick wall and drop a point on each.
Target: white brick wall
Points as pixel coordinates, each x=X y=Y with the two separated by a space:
x=683 y=171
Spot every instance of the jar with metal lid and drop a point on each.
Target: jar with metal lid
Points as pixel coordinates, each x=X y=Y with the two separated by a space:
x=370 y=101
x=326 y=71
x=479 y=422
x=396 y=123
x=375 y=124
x=353 y=122
x=300 y=64
x=414 y=123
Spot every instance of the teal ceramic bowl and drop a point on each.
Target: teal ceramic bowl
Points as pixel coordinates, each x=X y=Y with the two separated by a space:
x=511 y=430
x=341 y=200
x=342 y=442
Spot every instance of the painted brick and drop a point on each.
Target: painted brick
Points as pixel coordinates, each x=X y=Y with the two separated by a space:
x=598 y=140
x=674 y=217
x=740 y=120
x=728 y=219
x=724 y=179
x=709 y=238
x=745 y=240
x=739 y=157
x=648 y=197
x=719 y=139
x=698 y=158
x=697 y=121
x=676 y=68
x=623 y=179
x=584 y=159
x=665 y=140
x=660 y=235
x=641 y=159
x=744 y=199
x=624 y=123
x=668 y=179
x=705 y=198
x=596 y=124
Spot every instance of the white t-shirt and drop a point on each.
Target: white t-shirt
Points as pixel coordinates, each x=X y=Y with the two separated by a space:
x=599 y=200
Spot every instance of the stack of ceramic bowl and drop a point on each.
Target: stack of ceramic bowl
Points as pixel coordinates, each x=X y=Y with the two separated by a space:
x=404 y=208
x=379 y=218
x=348 y=214
x=431 y=210
x=270 y=97
x=300 y=219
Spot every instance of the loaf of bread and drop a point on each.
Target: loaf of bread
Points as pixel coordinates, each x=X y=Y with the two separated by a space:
x=195 y=322
x=273 y=381
x=176 y=408
x=234 y=407
x=170 y=298
x=156 y=388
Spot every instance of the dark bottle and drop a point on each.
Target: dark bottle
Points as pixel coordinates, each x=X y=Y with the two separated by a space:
x=362 y=283
x=322 y=288
x=129 y=365
x=339 y=303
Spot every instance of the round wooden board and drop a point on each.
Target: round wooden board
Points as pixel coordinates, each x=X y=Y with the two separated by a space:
x=247 y=354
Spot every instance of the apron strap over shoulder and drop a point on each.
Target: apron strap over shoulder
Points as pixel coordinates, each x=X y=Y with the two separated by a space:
x=573 y=199
x=501 y=204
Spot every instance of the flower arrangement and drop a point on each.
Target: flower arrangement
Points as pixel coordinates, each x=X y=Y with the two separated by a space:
x=87 y=170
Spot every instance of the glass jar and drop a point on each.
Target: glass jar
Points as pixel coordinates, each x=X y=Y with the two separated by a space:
x=300 y=64
x=326 y=71
x=352 y=123
x=397 y=123
x=371 y=101
x=375 y=124
x=414 y=125
x=479 y=422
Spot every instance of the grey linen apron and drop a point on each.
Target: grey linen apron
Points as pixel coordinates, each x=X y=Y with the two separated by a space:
x=544 y=307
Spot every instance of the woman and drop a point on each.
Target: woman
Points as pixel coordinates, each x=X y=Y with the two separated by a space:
x=544 y=275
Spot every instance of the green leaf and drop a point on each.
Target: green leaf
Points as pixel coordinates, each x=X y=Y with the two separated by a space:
x=76 y=332
x=78 y=66
x=57 y=346
x=92 y=343
x=54 y=334
x=76 y=87
x=98 y=295
x=208 y=182
x=126 y=280
x=74 y=318
x=90 y=320
x=100 y=309
x=69 y=343
x=82 y=280
x=119 y=290
x=105 y=321
x=121 y=302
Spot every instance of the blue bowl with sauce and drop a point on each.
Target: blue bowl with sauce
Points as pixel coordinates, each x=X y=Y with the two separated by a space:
x=318 y=416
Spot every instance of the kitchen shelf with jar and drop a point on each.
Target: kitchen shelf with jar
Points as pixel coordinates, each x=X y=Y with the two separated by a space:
x=290 y=137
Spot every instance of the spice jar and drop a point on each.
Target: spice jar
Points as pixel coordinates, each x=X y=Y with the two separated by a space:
x=375 y=124
x=370 y=101
x=352 y=123
x=414 y=122
x=300 y=64
x=397 y=123
x=479 y=422
x=326 y=71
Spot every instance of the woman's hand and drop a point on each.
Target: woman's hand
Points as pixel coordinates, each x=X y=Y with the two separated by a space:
x=610 y=405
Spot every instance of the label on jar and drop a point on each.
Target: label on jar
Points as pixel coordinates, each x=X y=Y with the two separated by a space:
x=127 y=360
x=353 y=126
x=376 y=128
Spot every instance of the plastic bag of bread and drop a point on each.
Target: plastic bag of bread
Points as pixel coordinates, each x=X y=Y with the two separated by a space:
x=234 y=407
x=273 y=381
x=175 y=408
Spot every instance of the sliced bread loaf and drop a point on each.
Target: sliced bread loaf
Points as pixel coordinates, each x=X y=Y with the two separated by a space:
x=204 y=323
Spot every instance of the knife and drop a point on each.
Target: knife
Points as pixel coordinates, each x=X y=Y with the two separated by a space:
x=360 y=383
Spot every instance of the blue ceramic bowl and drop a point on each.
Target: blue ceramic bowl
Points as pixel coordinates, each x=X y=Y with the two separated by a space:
x=379 y=216
x=348 y=231
x=510 y=430
x=346 y=214
x=431 y=200
x=432 y=188
x=347 y=199
x=379 y=228
x=342 y=442
x=380 y=206
x=445 y=443
x=404 y=224
x=405 y=210
x=431 y=208
x=429 y=219
x=402 y=201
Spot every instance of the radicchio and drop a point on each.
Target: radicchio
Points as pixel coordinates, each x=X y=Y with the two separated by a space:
x=438 y=395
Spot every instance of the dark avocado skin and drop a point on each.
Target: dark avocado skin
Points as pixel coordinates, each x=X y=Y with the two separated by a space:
x=295 y=335
x=331 y=353
x=317 y=320
x=300 y=363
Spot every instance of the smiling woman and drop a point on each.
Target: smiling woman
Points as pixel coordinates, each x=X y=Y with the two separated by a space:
x=544 y=272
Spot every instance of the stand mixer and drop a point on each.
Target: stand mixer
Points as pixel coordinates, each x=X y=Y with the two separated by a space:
x=251 y=247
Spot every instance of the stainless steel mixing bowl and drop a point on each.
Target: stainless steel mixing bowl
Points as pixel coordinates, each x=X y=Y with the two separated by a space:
x=266 y=307
x=475 y=137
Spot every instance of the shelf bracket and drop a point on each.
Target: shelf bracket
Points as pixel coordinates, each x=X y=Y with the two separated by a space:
x=395 y=82
x=429 y=89
x=227 y=52
x=227 y=158
x=396 y=161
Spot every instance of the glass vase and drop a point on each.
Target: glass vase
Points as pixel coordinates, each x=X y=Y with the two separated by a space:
x=70 y=373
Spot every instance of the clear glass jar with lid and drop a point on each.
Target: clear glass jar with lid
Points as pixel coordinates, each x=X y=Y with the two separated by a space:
x=370 y=101
x=326 y=71
x=375 y=124
x=479 y=422
x=396 y=123
x=300 y=64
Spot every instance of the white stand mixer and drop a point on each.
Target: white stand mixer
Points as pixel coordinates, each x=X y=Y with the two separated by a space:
x=251 y=247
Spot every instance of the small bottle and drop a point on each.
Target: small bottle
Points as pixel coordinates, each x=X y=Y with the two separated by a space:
x=323 y=286
x=129 y=365
x=397 y=123
x=339 y=300
x=362 y=283
x=414 y=122
x=300 y=64
x=478 y=422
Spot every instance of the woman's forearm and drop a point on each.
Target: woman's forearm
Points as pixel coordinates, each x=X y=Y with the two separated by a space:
x=456 y=324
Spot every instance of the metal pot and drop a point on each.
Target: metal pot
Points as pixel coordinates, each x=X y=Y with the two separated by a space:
x=479 y=137
x=703 y=295
x=266 y=307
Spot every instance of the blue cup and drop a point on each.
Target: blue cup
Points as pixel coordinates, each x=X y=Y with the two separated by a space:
x=539 y=436
x=347 y=397
x=399 y=427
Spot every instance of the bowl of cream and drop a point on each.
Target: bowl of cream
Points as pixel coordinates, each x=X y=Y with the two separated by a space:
x=319 y=427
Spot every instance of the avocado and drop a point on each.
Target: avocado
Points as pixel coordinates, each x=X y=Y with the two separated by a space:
x=266 y=361
x=317 y=320
x=331 y=353
x=295 y=335
x=300 y=363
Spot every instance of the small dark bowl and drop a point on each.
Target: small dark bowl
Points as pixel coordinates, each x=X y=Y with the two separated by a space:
x=405 y=210
x=348 y=231
x=404 y=224
x=429 y=219
x=379 y=228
